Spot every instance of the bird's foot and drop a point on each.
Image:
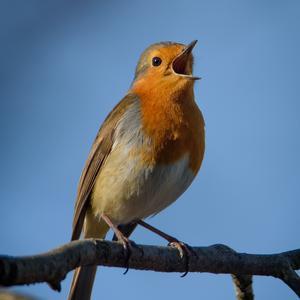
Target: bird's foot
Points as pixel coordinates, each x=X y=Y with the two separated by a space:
x=185 y=252
x=127 y=244
x=128 y=247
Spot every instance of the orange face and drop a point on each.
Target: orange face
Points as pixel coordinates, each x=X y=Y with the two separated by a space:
x=166 y=61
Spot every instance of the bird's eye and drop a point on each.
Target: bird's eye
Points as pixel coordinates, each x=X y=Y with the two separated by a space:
x=156 y=61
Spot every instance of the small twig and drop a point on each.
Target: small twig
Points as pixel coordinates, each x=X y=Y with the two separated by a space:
x=52 y=267
x=243 y=287
x=9 y=295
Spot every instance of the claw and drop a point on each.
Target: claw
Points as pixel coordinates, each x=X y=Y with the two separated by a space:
x=128 y=247
x=185 y=251
x=126 y=243
x=179 y=246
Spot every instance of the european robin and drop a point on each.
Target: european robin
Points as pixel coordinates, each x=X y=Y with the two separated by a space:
x=145 y=155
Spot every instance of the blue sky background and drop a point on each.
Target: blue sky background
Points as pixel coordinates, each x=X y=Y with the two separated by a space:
x=64 y=65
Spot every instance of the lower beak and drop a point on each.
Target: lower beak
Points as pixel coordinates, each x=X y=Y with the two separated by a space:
x=180 y=62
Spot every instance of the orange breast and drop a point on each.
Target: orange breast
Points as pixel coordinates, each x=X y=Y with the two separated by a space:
x=173 y=121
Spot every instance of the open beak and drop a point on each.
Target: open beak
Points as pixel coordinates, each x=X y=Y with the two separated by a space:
x=180 y=63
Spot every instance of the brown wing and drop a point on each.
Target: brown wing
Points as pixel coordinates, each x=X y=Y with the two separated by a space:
x=100 y=150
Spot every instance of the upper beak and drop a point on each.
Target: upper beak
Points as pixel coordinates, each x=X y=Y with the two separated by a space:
x=190 y=47
x=180 y=62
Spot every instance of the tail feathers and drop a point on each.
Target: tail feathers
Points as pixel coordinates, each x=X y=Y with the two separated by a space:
x=83 y=278
x=82 y=283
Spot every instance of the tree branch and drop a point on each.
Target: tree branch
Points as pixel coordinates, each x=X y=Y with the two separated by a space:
x=52 y=267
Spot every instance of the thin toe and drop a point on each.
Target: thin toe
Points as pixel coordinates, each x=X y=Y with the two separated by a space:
x=185 y=252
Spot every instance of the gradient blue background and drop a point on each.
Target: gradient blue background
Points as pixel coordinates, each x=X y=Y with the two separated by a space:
x=64 y=65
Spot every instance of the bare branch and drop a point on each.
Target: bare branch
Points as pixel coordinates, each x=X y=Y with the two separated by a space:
x=52 y=267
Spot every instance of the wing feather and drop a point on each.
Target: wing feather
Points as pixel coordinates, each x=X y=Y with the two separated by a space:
x=100 y=151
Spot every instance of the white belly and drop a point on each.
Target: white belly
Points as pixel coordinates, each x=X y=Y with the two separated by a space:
x=126 y=190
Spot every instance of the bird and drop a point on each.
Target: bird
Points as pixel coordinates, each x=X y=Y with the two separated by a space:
x=146 y=154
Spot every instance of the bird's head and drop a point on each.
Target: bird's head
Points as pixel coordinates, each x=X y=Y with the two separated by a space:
x=165 y=62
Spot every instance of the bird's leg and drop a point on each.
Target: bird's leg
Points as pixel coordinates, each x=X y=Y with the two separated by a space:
x=184 y=249
x=127 y=244
x=126 y=230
